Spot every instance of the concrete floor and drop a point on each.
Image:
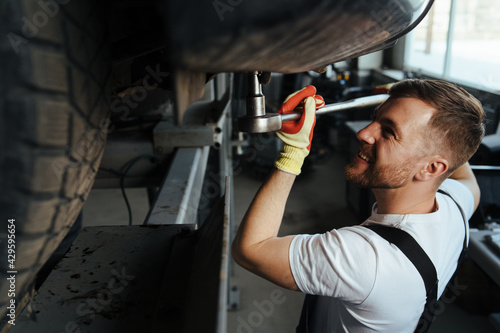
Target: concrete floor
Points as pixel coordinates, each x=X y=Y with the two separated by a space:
x=316 y=204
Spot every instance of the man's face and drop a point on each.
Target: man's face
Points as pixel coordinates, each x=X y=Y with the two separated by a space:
x=391 y=145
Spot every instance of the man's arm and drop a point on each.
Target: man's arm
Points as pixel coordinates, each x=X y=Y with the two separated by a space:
x=465 y=175
x=256 y=246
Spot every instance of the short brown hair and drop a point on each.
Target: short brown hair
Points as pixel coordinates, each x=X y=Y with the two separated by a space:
x=457 y=124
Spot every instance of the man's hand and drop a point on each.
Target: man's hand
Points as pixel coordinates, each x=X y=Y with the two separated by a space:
x=297 y=135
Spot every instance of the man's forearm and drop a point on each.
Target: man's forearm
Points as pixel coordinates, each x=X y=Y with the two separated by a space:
x=263 y=218
x=465 y=175
x=463 y=172
x=256 y=238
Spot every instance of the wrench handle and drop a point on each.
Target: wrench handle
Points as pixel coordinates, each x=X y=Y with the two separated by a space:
x=352 y=103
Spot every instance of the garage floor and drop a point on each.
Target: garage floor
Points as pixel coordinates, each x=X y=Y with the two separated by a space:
x=316 y=204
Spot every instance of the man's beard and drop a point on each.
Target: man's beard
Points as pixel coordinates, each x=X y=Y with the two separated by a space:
x=385 y=177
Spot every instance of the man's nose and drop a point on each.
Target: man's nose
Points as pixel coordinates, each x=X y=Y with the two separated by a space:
x=368 y=134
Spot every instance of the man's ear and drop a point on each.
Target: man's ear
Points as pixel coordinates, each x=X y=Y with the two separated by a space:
x=432 y=168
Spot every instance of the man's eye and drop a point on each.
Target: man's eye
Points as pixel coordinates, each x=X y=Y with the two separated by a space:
x=387 y=131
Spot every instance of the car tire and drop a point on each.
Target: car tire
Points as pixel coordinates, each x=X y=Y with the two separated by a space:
x=54 y=110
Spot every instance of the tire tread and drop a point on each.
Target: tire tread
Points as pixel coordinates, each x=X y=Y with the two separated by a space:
x=51 y=140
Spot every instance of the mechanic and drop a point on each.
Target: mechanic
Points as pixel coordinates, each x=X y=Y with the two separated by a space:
x=419 y=141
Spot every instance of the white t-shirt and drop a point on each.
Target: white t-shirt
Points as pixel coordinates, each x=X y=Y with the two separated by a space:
x=368 y=284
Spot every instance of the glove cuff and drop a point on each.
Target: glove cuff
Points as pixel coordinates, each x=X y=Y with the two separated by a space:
x=291 y=159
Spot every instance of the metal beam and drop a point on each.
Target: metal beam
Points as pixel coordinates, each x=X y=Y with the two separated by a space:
x=179 y=195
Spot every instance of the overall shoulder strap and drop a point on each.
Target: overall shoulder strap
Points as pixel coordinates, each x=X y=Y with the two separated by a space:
x=466 y=225
x=409 y=246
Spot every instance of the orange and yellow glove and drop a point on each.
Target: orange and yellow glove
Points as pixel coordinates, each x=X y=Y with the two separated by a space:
x=297 y=135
